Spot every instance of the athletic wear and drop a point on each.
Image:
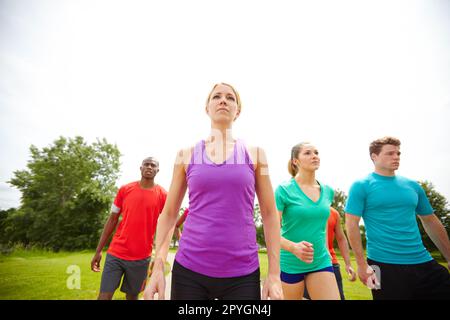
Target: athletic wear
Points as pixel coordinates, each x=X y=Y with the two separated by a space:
x=304 y=220
x=298 y=277
x=337 y=273
x=331 y=227
x=424 y=281
x=219 y=234
x=135 y=275
x=140 y=209
x=190 y=285
x=388 y=206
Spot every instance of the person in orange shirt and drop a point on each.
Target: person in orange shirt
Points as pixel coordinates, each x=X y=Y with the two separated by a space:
x=140 y=204
x=180 y=222
x=334 y=230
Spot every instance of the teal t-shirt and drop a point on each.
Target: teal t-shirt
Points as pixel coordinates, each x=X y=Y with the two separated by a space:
x=388 y=207
x=304 y=220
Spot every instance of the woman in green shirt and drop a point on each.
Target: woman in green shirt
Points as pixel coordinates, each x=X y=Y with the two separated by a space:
x=304 y=207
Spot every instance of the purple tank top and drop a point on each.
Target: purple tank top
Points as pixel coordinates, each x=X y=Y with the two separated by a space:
x=219 y=235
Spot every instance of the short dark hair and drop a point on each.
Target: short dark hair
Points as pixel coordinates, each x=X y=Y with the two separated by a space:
x=377 y=145
x=151 y=158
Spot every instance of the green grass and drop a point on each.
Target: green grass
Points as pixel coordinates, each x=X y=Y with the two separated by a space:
x=42 y=275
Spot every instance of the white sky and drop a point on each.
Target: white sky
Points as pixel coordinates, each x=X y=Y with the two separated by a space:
x=336 y=73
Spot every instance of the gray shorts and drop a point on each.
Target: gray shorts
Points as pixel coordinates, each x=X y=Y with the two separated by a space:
x=134 y=275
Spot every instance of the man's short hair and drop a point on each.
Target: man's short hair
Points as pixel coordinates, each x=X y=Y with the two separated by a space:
x=151 y=158
x=377 y=145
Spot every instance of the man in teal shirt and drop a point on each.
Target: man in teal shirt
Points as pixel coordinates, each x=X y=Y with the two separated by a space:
x=400 y=266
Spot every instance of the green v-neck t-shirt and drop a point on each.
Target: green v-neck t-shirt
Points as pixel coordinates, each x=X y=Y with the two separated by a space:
x=304 y=220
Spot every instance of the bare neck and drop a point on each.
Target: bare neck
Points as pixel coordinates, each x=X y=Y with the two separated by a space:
x=306 y=177
x=222 y=135
x=147 y=183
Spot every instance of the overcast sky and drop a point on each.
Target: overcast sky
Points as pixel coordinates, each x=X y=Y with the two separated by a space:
x=337 y=73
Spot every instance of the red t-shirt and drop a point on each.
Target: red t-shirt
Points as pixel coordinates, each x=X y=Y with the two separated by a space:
x=140 y=209
x=332 y=220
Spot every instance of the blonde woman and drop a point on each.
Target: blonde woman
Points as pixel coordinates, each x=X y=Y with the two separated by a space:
x=218 y=254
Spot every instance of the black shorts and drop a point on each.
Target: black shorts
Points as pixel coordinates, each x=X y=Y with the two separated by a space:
x=134 y=275
x=190 y=285
x=424 y=281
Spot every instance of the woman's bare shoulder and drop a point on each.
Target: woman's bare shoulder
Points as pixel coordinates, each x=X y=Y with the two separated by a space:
x=257 y=155
x=184 y=156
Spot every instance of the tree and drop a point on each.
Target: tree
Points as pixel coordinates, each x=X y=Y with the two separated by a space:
x=440 y=205
x=67 y=191
x=259 y=226
x=362 y=231
x=175 y=240
x=14 y=224
x=339 y=201
x=257 y=219
x=4 y=214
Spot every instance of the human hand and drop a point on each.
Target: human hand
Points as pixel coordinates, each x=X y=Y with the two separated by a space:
x=304 y=251
x=272 y=289
x=156 y=284
x=351 y=273
x=95 y=262
x=368 y=277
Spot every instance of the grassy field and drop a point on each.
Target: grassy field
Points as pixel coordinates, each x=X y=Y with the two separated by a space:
x=42 y=275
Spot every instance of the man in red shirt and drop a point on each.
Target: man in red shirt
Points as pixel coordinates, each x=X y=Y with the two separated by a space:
x=139 y=203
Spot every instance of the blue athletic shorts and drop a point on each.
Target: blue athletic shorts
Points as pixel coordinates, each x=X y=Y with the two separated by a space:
x=298 y=277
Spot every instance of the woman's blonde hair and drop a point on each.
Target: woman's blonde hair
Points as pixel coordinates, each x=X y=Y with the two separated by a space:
x=238 y=98
x=292 y=168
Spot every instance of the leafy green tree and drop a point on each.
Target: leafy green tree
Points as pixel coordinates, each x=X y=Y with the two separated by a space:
x=67 y=191
x=362 y=230
x=259 y=226
x=3 y=223
x=13 y=227
x=257 y=219
x=175 y=240
x=339 y=201
x=441 y=210
x=340 y=198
